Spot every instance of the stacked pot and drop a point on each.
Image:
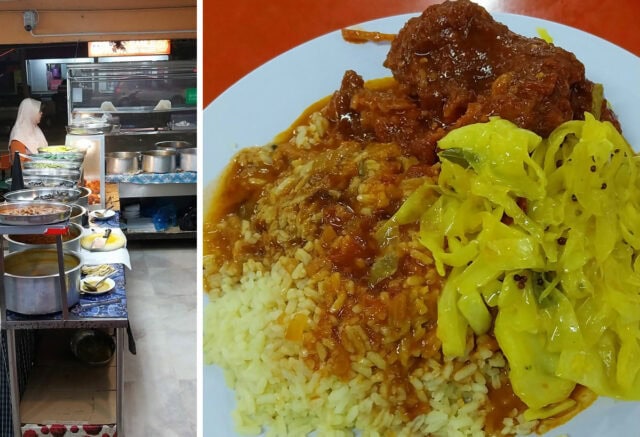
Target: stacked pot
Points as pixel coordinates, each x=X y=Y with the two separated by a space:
x=32 y=268
x=167 y=157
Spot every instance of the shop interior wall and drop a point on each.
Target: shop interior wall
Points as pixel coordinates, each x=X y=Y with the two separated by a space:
x=64 y=27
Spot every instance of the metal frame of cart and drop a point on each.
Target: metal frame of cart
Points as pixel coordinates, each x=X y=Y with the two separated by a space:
x=65 y=320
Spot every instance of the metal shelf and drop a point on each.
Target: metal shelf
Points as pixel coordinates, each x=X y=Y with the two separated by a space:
x=160 y=235
x=128 y=191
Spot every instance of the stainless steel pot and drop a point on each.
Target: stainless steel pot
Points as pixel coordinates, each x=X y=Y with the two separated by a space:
x=159 y=161
x=175 y=145
x=93 y=346
x=122 y=162
x=32 y=281
x=83 y=200
x=188 y=159
x=70 y=242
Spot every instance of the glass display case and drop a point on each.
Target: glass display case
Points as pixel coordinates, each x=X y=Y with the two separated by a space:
x=143 y=103
x=134 y=96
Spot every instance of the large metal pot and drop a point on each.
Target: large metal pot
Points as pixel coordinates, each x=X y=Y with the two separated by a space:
x=32 y=281
x=159 y=161
x=122 y=162
x=70 y=241
x=93 y=346
x=173 y=145
x=188 y=159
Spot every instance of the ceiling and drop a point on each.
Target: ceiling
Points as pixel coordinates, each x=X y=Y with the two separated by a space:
x=94 y=20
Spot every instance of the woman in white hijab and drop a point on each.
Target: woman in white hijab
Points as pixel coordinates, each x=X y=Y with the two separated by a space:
x=26 y=137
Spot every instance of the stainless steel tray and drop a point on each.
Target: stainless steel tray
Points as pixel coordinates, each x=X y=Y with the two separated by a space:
x=58 y=195
x=61 y=156
x=26 y=213
x=73 y=175
x=45 y=182
x=55 y=149
x=53 y=164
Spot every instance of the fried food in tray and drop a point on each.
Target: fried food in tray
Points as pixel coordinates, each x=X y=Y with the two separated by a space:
x=33 y=213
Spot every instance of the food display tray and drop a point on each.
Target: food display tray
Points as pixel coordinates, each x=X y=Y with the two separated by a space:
x=52 y=163
x=55 y=194
x=57 y=156
x=45 y=182
x=55 y=172
x=7 y=218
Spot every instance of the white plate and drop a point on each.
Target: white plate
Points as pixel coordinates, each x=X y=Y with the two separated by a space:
x=269 y=99
x=104 y=288
x=101 y=214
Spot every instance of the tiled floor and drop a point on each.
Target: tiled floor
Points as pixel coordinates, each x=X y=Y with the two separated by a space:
x=160 y=380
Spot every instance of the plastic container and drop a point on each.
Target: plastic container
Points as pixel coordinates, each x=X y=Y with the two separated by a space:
x=191 y=96
x=165 y=217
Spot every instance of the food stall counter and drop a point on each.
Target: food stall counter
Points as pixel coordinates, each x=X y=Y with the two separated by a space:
x=93 y=311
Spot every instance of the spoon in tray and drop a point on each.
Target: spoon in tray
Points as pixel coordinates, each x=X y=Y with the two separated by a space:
x=103 y=213
x=94 y=287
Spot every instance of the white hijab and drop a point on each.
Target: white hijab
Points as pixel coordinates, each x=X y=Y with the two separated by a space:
x=26 y=128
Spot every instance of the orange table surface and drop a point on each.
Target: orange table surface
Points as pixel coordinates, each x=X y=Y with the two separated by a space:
x=241 y=35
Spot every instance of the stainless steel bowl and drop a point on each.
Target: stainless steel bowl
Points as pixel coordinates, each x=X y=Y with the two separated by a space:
x=78 y=212
x=53 y=164
x=32 y=281
x=62 y=195
x=70 y=242
x=61 y=156
x=45 y=182
x=83 y=200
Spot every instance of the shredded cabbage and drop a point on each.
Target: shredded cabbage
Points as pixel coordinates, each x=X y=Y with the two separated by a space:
x=547 y=232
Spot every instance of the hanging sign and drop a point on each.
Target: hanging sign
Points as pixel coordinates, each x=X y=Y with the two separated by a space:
x=129 y=48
